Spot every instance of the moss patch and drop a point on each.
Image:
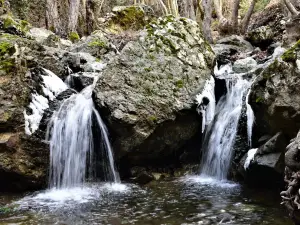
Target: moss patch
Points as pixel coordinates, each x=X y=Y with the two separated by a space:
x=98 y=43
x=74 y=37
x=291 y=54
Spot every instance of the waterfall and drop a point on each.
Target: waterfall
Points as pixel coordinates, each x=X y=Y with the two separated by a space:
x=72 y=147
x=220 y=134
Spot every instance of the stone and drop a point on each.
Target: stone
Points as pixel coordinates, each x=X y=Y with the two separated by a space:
x=227 y=47
x=262 y=36
x=272 y=20
x=267 y=165
x=244 y=65
x=147 y=92
x=275 y=97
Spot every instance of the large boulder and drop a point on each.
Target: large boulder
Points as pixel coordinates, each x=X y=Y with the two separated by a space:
x=275 y=96
x=146 y=93
x=291 y=196
x=265 y=165
x=267 y=26
x=24 y=93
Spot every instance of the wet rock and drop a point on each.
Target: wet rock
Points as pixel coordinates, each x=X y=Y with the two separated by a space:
x=146 y=93
x=23 y=163
x=82 y=62
x=274 y=96
x=290 y=197
x=244 y=65
x=292 y=30
x=141 y=176
x=267 y=165
x=262 y=36
x=81 y=80
x=133 y=17
x=271 y=20
x=24 y=159
x=227 y=47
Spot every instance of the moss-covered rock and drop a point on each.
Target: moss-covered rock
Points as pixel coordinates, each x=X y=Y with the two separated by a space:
x=262 y=36
x=147 y=91
x=275 y=96
x=127 y=18
x=74 y=36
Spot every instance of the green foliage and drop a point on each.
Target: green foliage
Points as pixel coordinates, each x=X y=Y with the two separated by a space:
x=74 y=37
x=259 y=6
x=6 y=50
x=5 y=209
x=179 y=84
x=259 y=99
x=148 y=69
x=152 y=119
x=97 y=43
x=291 y=54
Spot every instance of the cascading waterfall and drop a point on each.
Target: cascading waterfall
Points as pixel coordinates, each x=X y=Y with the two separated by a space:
x=220 y=134
x=222 y=127
x=71 y=137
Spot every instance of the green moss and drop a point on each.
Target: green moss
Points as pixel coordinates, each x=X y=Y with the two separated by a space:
x=7 y=65
x=6 y=48
x=148 y=69
x=98 y=43
x=152 y=119
x=74 y=37
x=291 y=54
x=179 y=84
x=126 y=18
x=22 y=25
x=5 y=209
x=259 y=99
x=8 y=22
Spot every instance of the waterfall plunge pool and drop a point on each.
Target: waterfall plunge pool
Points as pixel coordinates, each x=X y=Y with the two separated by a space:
x=187 y=200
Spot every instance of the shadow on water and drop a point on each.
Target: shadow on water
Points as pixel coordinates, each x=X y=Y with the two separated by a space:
x=188 y=200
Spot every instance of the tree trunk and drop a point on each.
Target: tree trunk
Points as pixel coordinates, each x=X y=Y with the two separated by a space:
x=235 y=15
x=246 y=19
x=206 y=24
x=291 y=7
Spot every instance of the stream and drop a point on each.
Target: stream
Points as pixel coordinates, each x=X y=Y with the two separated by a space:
x=186 y=200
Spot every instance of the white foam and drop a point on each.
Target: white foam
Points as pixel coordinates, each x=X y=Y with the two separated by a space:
x=223 y=72
x=250 y=156
x=69 y=197
x=53 y=85
x=207 y=111
x=298 y=64
x=250 y=119
x=38 y=104
x=210 y=181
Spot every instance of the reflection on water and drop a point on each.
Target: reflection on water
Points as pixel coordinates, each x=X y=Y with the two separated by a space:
x=189 y=200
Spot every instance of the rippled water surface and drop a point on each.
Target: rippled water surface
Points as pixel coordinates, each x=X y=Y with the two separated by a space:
x=189 y=200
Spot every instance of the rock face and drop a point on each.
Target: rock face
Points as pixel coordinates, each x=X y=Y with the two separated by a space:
x=244 y=65
x=23 y=158
x=146 y=93
x=265 y=165
x=275 y=96
x=291 y=196
x=267 y=26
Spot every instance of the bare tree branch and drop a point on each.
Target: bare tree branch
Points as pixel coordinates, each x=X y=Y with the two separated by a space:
x=246 y=19
x=291 y=7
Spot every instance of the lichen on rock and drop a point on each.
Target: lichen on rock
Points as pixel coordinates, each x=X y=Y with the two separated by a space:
x=147 y=92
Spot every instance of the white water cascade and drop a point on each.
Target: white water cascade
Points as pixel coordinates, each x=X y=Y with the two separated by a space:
x=71 y=137
x=221 y=132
